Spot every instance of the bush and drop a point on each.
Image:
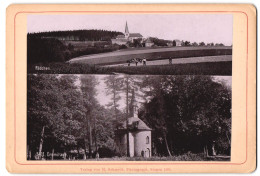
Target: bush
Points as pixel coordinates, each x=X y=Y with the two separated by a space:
x=105 y=152
x=47 y=50
x=122 y=47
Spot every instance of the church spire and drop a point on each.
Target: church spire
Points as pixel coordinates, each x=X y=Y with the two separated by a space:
x=126 y=29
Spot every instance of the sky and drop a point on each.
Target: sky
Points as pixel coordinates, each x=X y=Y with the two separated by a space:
x=104 y=99
x=216 y=28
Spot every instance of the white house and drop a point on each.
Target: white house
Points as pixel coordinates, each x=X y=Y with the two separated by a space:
x=149 y=43
x=178 y=42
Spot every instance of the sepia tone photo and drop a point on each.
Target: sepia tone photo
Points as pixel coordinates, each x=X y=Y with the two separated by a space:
x=129 y=87
x=123 y=117
x=158 y=44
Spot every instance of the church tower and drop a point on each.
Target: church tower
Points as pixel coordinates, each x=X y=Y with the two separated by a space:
x=133 y=108
x=126 y=31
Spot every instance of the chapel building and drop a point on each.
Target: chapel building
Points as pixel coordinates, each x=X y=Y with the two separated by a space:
x=123 y=39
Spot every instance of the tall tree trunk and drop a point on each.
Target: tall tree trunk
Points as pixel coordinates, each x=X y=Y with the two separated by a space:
x=41 y=142
x=85 y=150
x=127 y=133
x=207 y=152
x=166 y=143
x=171 y=145
x=95 y=134
x=46 y=155
x=213 y=150
x=52 y=154
x=64 y=155
x=115 y=110
x=114 y=101
x=78 y=154
x=90 y=141
x=28 y=152
x=229 y=142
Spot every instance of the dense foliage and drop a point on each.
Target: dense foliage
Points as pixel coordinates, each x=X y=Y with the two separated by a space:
x=64 y=116
x=187 y=114
x=50 y=50
x=47 y=47
x=159 y=42
x=81 y=35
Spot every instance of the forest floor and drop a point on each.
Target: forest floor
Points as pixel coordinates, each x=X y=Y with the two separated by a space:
x=174 y=158
x=183 y=157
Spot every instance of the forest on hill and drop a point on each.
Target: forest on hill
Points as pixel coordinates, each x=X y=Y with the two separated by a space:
x=81 y=35
x=50 y=50
x=49 y=47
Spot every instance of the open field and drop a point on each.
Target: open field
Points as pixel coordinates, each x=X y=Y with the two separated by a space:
x=118 y=57
x=189 y=60
x=203 y=68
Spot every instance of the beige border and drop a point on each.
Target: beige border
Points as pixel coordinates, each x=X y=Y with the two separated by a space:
x=243 y=155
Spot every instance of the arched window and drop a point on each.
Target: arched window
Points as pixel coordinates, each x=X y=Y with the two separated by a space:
x=147 y=140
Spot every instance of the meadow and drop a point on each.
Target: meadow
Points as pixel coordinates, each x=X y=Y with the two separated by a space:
x=118 y=57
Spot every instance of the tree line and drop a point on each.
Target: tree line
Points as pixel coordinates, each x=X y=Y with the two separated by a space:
x=64 y=116
x=81 y=35
x=186 y=113
x=65 y=120
x=188 y=43
x=46 y=47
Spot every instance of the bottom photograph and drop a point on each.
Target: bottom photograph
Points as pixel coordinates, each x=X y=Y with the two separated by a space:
x=128 y=117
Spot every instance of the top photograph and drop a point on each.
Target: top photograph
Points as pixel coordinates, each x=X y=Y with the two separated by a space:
x=134 y=44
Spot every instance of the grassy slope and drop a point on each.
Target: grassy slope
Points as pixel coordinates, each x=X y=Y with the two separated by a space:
x=118 y=57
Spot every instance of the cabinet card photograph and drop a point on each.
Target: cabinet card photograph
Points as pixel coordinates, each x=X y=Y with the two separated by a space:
x=131 y=88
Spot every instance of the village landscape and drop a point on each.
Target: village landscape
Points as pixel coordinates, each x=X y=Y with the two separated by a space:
x=109 y=52
x=97 y=94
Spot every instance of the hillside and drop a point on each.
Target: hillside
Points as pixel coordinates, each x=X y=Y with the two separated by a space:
x=118 y=57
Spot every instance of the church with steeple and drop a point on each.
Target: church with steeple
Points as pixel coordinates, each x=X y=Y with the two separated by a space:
x=123 y=39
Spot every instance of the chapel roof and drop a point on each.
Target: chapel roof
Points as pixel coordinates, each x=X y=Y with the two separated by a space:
x=135 y=123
